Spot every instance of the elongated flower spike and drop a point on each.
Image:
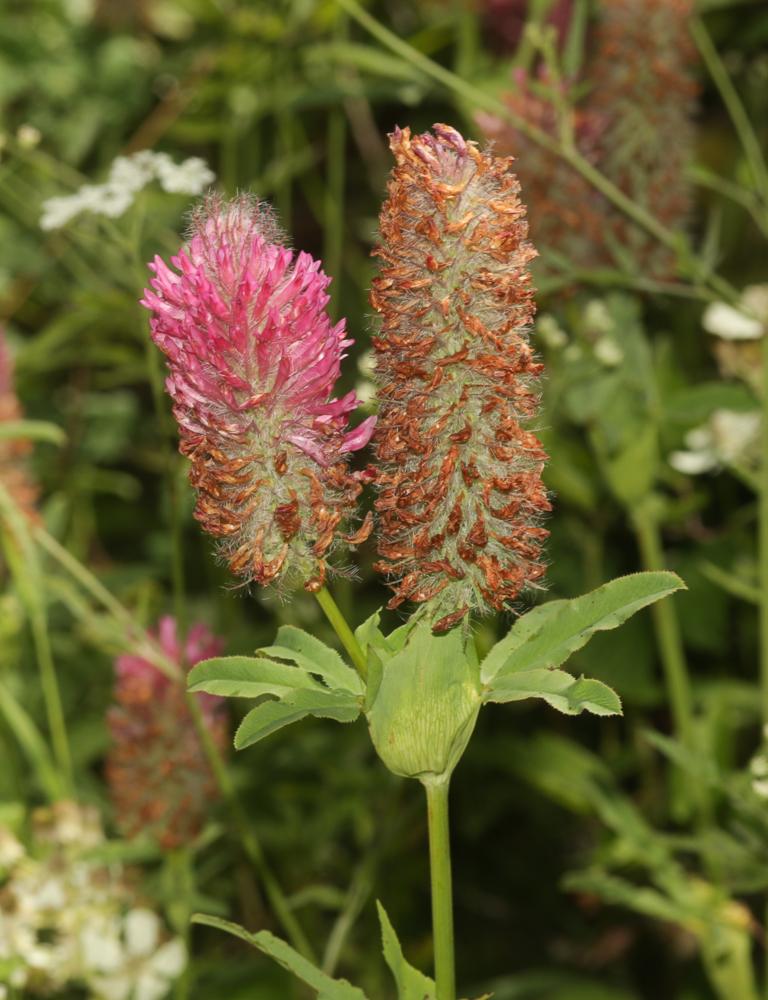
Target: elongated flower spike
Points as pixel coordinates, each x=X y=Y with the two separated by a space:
x=645 y=90
x=459 y=480
x=253 y=360
x=158 y=775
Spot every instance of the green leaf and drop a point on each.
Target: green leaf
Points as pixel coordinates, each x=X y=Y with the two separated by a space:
x=270 y=716
x=547 y=635
x=248 y=677
x=32 y=430
x=286 y=956
x=311 y=654
x=631 y=473
x=411 y=984
x=558 y=689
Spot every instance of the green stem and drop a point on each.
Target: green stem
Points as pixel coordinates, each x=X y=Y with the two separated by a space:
x=667 y=629
x=689 y=263
x=248 y=838
x=342 y=630
x=730 y=97
x=32 y=744
x=52 y=695
x=335 y=220
x=22 y=558
x=442 y=891
x=183 y=894
x=140 y=642
x=763 y=542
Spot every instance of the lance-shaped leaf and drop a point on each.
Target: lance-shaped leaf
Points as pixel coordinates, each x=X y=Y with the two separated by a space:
x=277 y=949
x=546 y=636
x=560 y=690
x=249 y=677
x=32 y=430
x=312 y=655
x=411 y=984
x=267 y=718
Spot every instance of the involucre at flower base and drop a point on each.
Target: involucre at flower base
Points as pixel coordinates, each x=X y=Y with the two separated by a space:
x=460 y=490
x=253 y=360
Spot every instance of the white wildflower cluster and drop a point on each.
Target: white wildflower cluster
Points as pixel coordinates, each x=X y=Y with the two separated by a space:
x=758 y=769
x=550 y=333
x=748 y=321
x=729 y=438
x=70 y=921
x=127 y=176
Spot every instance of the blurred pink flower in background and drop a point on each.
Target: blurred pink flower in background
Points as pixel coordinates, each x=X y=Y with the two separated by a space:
x=158 y=775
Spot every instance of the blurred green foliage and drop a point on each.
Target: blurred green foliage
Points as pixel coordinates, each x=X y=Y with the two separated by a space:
x=292 y=100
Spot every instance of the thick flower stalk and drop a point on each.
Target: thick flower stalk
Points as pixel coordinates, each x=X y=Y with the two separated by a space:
x=645 y=91
x=460 y=490
x=253 y=360
x=157 y=771
x=14 y=451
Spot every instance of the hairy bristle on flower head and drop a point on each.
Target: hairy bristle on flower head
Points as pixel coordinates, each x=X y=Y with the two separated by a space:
x=158 y=775
x=14 y=451
x=253 y=360
x=460 y=490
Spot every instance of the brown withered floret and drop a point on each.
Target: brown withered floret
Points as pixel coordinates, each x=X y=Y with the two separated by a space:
x=460 y=495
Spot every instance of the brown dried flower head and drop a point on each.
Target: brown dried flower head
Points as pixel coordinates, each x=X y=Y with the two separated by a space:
x=644 y=89
x=460 y=491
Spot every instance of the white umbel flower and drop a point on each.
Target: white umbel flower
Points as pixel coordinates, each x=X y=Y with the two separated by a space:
x=135 y=965
x=127 y=176
x=728 y=438
x=747 y=322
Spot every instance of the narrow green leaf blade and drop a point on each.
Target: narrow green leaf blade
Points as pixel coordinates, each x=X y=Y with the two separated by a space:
x=32 y=430
x=247 y=677
x=411 y=984
x=270 y=716
x=286 y=956
x=313 y=655
x=547 y=635
x=558 y=689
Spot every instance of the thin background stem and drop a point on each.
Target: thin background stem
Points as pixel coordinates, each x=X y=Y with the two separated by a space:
x=667 y=629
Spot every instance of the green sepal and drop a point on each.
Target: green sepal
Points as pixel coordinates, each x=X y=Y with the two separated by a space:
x=546 y=636
x=559 y=689
x=325 y=987
x=269 y=716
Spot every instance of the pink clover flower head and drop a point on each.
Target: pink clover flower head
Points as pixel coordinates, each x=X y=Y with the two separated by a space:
x=158 y=775
x=253 y=359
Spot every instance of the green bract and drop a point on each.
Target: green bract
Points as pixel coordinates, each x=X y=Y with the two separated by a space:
x=424 y=691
